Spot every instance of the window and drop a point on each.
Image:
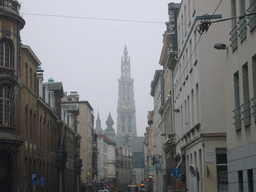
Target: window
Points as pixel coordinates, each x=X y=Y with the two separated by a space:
x=194 y=8
x=185 y=19
x=128 y=89
x=252 y=18
x=188 y=120
x=4 y=105
x=233 y=32
x=222 y=174
x=6 y=55
x=130 y=123
x=254 y=85
x=35 y=84
x=237 y=110
x=182 y=27
x=189 y=12
x=246 y=106
x=197 y=103
x=31 y=81
x=250 y=180
x=31 y=126
x=242 y=21
x=26 y=71
x=193 y=108
x=254 y=74
x=240 y=181
x=195 y=47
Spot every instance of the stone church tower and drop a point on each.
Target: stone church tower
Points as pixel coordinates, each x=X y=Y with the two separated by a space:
x=126 y=120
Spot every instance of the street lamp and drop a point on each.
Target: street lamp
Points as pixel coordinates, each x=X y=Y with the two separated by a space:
x=220 y=46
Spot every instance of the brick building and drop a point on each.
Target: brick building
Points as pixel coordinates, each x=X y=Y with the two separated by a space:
x=32 y=136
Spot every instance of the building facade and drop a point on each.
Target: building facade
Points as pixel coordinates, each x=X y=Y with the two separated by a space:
x=198 y=96
x=10 y=25
x=123 y=166
x=157 y=92
x=84 y=121
x=240 y=61
x=33 y=139
x=169 y=52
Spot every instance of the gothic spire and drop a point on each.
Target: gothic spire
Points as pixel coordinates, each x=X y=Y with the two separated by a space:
x=125 y=51
x=98 y=128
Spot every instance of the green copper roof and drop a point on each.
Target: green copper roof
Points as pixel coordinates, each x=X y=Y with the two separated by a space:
x=51 y=80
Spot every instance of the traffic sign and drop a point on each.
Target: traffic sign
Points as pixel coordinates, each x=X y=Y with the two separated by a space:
x=34 y=178
x=176 y=172
x=42 y=181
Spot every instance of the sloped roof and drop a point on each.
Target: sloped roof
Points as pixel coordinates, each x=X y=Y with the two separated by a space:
x=109 y=141
x=135 y=143
x=54 y=86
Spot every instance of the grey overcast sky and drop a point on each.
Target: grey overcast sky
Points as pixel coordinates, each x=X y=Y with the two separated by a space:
x=81 y=46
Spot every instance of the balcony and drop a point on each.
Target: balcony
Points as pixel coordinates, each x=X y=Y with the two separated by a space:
x=246 y=113
x=242 y=28
x=252 y=18
x=254 y=107
x=233 y=38
x=237 y=118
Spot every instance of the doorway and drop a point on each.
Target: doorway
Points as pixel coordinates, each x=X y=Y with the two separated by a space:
x=6 y=171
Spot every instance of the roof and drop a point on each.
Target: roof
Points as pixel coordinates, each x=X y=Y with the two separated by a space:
x=54 y=86
x=26 y=47
x=135 y=143
x=109 y=141
x=155 y=81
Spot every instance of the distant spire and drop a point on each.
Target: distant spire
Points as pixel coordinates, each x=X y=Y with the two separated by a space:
x=98 y=128
x=109 y=121
x=110 y=131
x=125 y=51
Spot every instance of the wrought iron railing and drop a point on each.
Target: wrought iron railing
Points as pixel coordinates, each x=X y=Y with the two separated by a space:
x=242 y=28
x=246 y=113
x=252 y=18
x=254 y=107
x=237 y=118
x=233 y=38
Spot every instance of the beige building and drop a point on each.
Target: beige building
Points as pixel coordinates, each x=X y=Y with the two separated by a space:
x=150 y=151
x=168 y=54
x=85 y=123
x=157 y=92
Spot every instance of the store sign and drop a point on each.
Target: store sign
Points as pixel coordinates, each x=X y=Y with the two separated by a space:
x=178 y=185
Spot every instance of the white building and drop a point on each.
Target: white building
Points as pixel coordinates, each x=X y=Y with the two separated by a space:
x=106 y=159
x=102 y=157
x=240 y=37
x=199 y=78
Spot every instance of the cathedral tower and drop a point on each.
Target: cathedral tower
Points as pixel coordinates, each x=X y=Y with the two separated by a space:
x=126 y=120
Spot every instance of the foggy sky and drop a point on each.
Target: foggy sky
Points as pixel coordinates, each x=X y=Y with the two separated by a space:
x=82 y=42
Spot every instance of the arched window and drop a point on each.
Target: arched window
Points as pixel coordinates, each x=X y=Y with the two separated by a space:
x=6 y=54
x=130 y=123
x=4 y=105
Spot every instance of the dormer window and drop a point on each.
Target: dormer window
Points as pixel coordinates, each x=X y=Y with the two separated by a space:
x=6 y=53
